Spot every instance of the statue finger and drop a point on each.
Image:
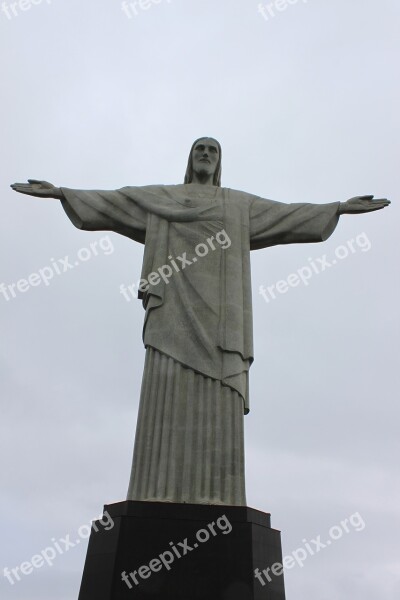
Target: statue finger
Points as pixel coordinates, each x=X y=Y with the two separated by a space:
x=376 y=207
x=21 y=186
x=23 y=190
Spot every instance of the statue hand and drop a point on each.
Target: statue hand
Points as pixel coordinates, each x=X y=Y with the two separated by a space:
x=41 y=189
x=363 y=204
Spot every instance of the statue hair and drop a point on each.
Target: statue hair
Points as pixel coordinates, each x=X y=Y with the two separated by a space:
x=218 y=170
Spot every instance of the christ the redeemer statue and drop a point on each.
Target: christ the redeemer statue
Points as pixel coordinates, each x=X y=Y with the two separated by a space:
x=189 y=445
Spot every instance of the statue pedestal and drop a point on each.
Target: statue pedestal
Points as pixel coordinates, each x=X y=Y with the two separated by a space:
x=181 y=552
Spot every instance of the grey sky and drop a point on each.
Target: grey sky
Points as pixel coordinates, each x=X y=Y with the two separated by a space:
x=305 y=105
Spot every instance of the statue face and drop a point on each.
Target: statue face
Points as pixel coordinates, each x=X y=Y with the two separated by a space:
x=205 y=157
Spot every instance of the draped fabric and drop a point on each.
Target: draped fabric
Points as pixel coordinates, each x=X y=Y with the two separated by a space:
x=189 y=444
x=201 y=316
x=198 y=330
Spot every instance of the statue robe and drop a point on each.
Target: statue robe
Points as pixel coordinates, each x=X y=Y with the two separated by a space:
x=198 y=324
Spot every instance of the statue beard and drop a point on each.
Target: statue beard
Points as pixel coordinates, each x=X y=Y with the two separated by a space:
x=203 y=174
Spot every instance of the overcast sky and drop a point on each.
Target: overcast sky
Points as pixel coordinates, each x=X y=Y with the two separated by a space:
x=306 y=106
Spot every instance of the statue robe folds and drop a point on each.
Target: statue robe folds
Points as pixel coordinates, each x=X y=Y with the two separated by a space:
x=196 y=291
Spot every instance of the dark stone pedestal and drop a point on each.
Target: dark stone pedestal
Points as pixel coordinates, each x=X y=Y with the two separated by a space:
x=181 y=552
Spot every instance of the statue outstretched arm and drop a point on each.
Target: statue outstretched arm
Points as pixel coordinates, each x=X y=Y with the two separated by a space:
x=95 y=210
x=40 y=189
x=273 y=223
x=362 y=204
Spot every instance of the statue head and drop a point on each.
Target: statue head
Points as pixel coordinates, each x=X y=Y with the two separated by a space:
x=204 y=160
